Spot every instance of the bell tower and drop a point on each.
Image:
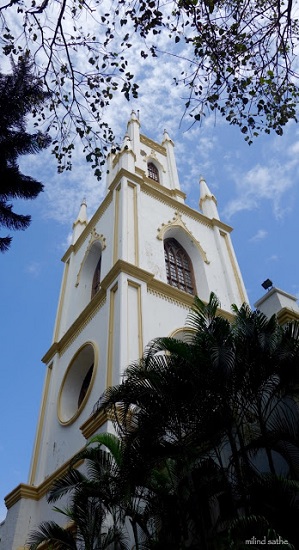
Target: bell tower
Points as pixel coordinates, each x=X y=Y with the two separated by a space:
x=130 y=275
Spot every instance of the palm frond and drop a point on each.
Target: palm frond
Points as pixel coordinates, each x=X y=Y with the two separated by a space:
x=71 y=480
x=51 y=533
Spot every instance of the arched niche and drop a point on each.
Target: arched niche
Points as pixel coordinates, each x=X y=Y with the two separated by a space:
x=90 y=272
x=153 y=159
x=190 y=245
x=184 y=334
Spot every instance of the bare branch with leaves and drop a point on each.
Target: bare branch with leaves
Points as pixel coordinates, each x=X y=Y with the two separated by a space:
x=240 y=61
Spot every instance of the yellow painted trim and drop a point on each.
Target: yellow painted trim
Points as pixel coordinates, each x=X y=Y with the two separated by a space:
x=140 y=172
x=181 y=207
x=116 y=224
x=94 y=423
x=136 y=232
x=157 y=190
x=149 y=183
x=40 y=425
x=121 y=153
x=133 y=284
x=286 y=315
x=110 y=354
x=153 y=145
x=61 y=300
x=154 y=285
x=178 y=222
x=85 y=316
x=92 y=222
x=182 y=329
x=234 y=266
x=94 y=237
x=149 y=186
x=179 y=297
x=80 y=409
x=36 y=493
x=123 y=173
x=94 y=305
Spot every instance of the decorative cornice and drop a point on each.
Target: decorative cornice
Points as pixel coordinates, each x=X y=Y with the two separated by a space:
x=181 y=301
x=36 y=493
x=287 y=315
x=153 y=144
x=165 y=290
x=158 y=191
x=179 y=297
x=167 y=196
x=149 y=183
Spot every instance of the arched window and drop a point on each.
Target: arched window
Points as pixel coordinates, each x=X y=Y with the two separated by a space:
x=153 y=171
x=96 y=279
x=179 y=268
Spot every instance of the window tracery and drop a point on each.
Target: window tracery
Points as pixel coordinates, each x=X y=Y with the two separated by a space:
x=153 y=172
x=179 y=268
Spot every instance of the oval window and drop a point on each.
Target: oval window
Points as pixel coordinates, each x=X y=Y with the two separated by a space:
x=76 y=384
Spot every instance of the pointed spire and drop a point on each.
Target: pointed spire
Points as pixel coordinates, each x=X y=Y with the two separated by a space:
x=133 y=136
x=207 y=201
x=171 y=162
x=81 y=221
x=82 y=216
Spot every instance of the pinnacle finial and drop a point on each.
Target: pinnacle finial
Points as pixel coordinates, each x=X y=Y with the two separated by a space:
x=134 y=116
x=166 y=136
x=207 y=201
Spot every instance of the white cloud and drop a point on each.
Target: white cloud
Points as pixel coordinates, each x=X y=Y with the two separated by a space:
x=259 y=236
x=199 y=149
x=267 y=182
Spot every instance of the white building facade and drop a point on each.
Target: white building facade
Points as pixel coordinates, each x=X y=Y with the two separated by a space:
x=130 y=275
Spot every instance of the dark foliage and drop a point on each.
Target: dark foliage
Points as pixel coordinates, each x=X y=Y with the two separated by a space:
x=20 y=94
x=207 y=453
x=239 y=60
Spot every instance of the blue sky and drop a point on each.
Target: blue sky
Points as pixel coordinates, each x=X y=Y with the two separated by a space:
x=258 y=194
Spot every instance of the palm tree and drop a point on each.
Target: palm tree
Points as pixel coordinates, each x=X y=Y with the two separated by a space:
x=20 y=94
x=206 y=454
x=95 y=520
x=218 y=415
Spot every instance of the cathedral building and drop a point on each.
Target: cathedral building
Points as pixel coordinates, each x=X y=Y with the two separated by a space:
x=130 y=275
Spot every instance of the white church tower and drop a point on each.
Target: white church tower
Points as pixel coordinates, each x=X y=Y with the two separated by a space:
x=130 y=275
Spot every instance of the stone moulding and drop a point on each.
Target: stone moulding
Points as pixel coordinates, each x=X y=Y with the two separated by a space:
x=178 y=222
